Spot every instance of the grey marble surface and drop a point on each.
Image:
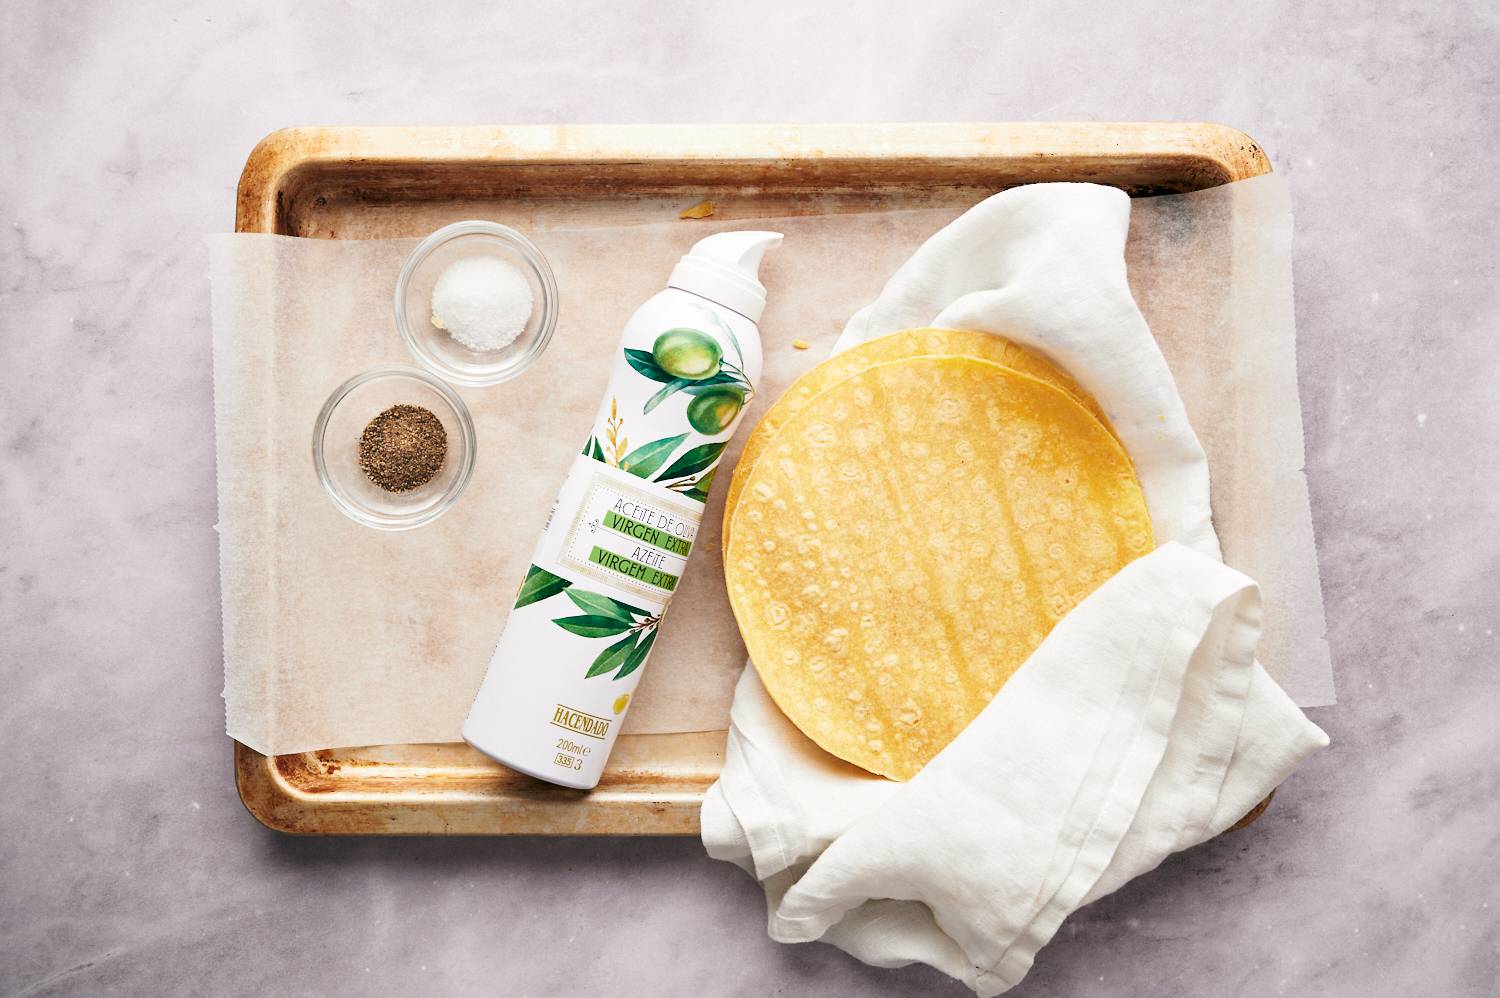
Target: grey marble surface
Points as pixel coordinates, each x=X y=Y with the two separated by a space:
x=126 y=862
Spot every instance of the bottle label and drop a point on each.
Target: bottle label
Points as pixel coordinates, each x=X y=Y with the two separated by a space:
x=587 y=614
x=628 y=536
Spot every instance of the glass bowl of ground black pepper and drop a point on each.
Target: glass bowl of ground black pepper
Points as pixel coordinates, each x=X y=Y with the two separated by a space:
x=394 y=448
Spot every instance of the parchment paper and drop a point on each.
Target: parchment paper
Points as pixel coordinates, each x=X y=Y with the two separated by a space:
x=336 y=634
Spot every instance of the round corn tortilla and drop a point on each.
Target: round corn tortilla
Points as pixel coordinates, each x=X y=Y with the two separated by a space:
x=883 y=349
x=908 y=538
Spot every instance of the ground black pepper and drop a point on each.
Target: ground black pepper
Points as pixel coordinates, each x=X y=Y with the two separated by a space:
x=403 y=448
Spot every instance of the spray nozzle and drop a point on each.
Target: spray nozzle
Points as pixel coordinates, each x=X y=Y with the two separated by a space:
x=725 y=268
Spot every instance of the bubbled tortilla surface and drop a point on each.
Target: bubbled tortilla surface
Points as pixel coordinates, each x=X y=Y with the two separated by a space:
x=883 y=349
x=908 y=536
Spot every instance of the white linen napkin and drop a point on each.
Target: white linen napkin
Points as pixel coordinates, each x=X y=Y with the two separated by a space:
x=1141 y=726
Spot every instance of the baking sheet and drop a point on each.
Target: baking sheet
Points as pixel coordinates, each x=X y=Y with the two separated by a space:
x=339 y=635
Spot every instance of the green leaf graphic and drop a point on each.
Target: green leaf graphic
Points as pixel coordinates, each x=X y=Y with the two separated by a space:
x=594 y=451
x=636 y=656
x=612 y=656
x=693 y=461
x=646 y=364
x=673 y=387
x=538 y=585
x=699 y=491
x=722 y=378
x=601 y=605
x=593 y=625
x=645 y=459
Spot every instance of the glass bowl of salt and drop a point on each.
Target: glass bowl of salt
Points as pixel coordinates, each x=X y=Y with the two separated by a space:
x=476 y=303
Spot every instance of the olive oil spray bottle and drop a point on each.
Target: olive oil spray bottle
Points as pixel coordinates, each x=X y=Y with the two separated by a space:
x=625 y=520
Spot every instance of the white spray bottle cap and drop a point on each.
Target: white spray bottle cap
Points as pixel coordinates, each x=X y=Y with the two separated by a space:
x=725 y=268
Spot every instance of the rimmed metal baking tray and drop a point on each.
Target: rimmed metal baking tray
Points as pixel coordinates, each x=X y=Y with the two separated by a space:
x=368 y=183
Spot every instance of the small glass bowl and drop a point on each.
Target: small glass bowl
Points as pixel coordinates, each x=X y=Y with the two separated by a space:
x=439 y=352
x=335 y=447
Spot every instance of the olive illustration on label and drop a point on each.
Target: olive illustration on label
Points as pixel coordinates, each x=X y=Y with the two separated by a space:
x=687 y=353
x=715 y=408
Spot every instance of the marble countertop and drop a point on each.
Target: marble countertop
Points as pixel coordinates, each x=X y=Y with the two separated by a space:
x=127 y=864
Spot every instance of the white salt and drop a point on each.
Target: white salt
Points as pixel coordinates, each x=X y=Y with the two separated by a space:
x=483 y=302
